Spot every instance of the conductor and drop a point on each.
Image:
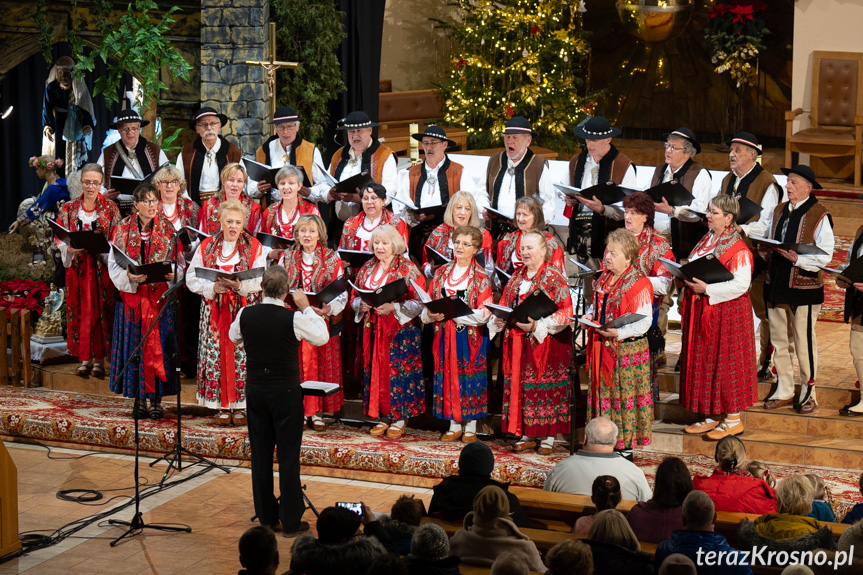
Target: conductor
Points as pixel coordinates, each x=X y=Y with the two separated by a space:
x=274 y=399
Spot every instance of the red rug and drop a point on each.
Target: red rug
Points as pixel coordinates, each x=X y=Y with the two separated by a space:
x=834 y=298
x=104 y=423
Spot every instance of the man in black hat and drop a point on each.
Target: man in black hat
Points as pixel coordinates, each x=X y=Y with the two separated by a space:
x=598 y=162
x=362 y=154
x=517 y=172
x=132 y=156
x=200 y=162
x=748 y=179
x=794 y=288
x=429 y=184
x=287 y=147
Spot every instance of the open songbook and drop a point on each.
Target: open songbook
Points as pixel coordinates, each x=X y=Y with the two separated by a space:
x=384 y=294
x=621 y=321
x=708 y=269
x=354 y=258
x=349 y=186
x=330 y=292
x=608 y=193
x=273 y=241
x=436 y=211
x=499 y=215
x=92 y=241
x=535 y=306
x=263 y=173
x=127 y=186
x=212 y=274
x=319 y=388
x=852 y=273
x=155 y=272
x=802 y=249
x=672 y=191
x=451 y=307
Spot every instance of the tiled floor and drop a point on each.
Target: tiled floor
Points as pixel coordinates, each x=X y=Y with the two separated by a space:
x=217 y=506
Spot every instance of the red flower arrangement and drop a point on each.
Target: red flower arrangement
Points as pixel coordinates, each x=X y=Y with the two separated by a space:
x=735 y=36
x=23 y=294
x=738 y=16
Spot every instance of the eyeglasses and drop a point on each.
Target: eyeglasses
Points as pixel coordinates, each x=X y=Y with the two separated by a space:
x=463 y=244
x=372 y=199
x=433 y=143
x=90 y=183
x=129 y=129
x=288 y=127
x=148 y=202
x=670 y=146
x=171 y=182
x=209 y=125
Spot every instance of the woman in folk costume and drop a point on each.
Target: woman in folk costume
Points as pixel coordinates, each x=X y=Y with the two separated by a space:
x=528 y=217
x=146 y=237
x=717 y=374
x=221 y=364
x=358 y=230
x=536 y=354
x=173 y=207
x=461 y=211
x=89 y=291
x=460 y=344
x=281 y=217
x=311 y=266
x=638 y=219
x=389 y=340
x=618 y=359
x=233 y=177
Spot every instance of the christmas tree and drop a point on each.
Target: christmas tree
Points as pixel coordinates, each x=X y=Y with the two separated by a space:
x=518 y=58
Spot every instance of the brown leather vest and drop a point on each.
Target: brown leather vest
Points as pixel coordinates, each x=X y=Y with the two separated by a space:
x=305 y=157
x=453 y=178
x=381 y=155
x=532 y=173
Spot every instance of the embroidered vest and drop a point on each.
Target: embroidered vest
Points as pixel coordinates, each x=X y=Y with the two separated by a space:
x=193 y=163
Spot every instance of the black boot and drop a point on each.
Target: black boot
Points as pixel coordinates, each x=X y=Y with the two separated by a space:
x=139 y=411
x=156 y=411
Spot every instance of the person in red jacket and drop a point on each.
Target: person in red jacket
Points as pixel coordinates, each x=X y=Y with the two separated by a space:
x=732 y=487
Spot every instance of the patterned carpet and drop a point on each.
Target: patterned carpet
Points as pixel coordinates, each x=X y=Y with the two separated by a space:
x=104 y=423
x=834 y=298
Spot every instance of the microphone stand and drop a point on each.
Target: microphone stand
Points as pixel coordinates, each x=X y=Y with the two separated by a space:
x=575 y=378
x=174 y=457
x=136 y=525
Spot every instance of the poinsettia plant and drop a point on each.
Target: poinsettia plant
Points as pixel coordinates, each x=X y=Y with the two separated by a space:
x=735 y=35
x=23 y=294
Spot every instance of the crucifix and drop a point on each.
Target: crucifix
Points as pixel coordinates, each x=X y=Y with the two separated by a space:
x=271 y=66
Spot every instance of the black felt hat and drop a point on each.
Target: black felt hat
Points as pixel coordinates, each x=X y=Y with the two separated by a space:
x=804 y=172
x=595 y=128
x=434 y=132
x=127 y=117
x=355 y=121
x=518 y=125
x=285 y=114
x=746 y=139
x=686 y=134
x=203 y=113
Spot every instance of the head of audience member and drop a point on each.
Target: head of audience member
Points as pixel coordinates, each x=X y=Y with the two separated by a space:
x=170 y=183
x=600 y=435
x=387 y=244
x=569 y=557
x=517 y=137
x=699 y=512
x=207 y=122
x=722 y=213
x=289 y=180
x=509 y=563
x=430 y=543
x=373 y=198
x=232 y=217
x=730 y=454
x=528 y=214
x=794 y=495
x=797 y=570
x=388 y=564
x=310 y=232
x=337 y=525
x=759 y=470
x=233 y=177
x=677 y=564
x=461 y=210
x=597 y=133
x=605 y=492
x=259 y=551
x=621 y=250
x=860 y=484
x=534 y=250
x=611 y=526
x=852 y=538
x=408 y=510
x=673 y=483
x=818 y=486
x=476 y=460
x=744 y=150
x=490 y=503
x=286 y=123
x=274 y=282
x=680 y=146
x=359 y=126
x=638 y=212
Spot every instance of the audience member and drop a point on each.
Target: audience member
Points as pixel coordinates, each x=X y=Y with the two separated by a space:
x=677 y=564
x=655 y=520
x=605 y=494
x=569 y=557
x=453 y=497
x=789 y=529
x=856 y=513
x=404 y=518
x=852 y=540
x=698 y=538
x=429 y=553
x=759 y=470
x=797 y=570
x=341 y=547
x=259 y=551
x=488 y=531
x=510 y=564
x=732 y=487
x=614 y=547
x=388 y=565
x=821 y=509
x=596 y=457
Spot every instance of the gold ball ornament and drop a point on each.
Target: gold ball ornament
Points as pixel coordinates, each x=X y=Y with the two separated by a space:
x=655 y=20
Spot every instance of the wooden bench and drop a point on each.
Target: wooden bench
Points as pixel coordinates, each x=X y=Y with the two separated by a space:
x=16 y=329
x=398 y=110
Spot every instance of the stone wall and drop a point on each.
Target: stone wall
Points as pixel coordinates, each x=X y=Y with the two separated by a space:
x=232 y=32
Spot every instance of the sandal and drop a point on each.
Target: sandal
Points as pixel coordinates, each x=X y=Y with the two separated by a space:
x=524 y=445
x=451 y=435
x=238 y=417
x=223 y=418
x=394 y=432
x=379 y=429
x=318 y=424
x=139 y=410
x=156 y=411
x=84 y=370
x=700 y=427
x=98 y=371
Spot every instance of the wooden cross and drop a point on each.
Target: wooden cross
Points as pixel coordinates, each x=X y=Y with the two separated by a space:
x=271 y=66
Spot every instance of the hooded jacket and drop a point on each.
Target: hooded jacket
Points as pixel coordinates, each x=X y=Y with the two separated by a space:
x=759 y=535
x=480 y=542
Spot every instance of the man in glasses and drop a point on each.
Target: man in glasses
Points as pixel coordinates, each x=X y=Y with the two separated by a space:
x=132 y=156
x=202 y=160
